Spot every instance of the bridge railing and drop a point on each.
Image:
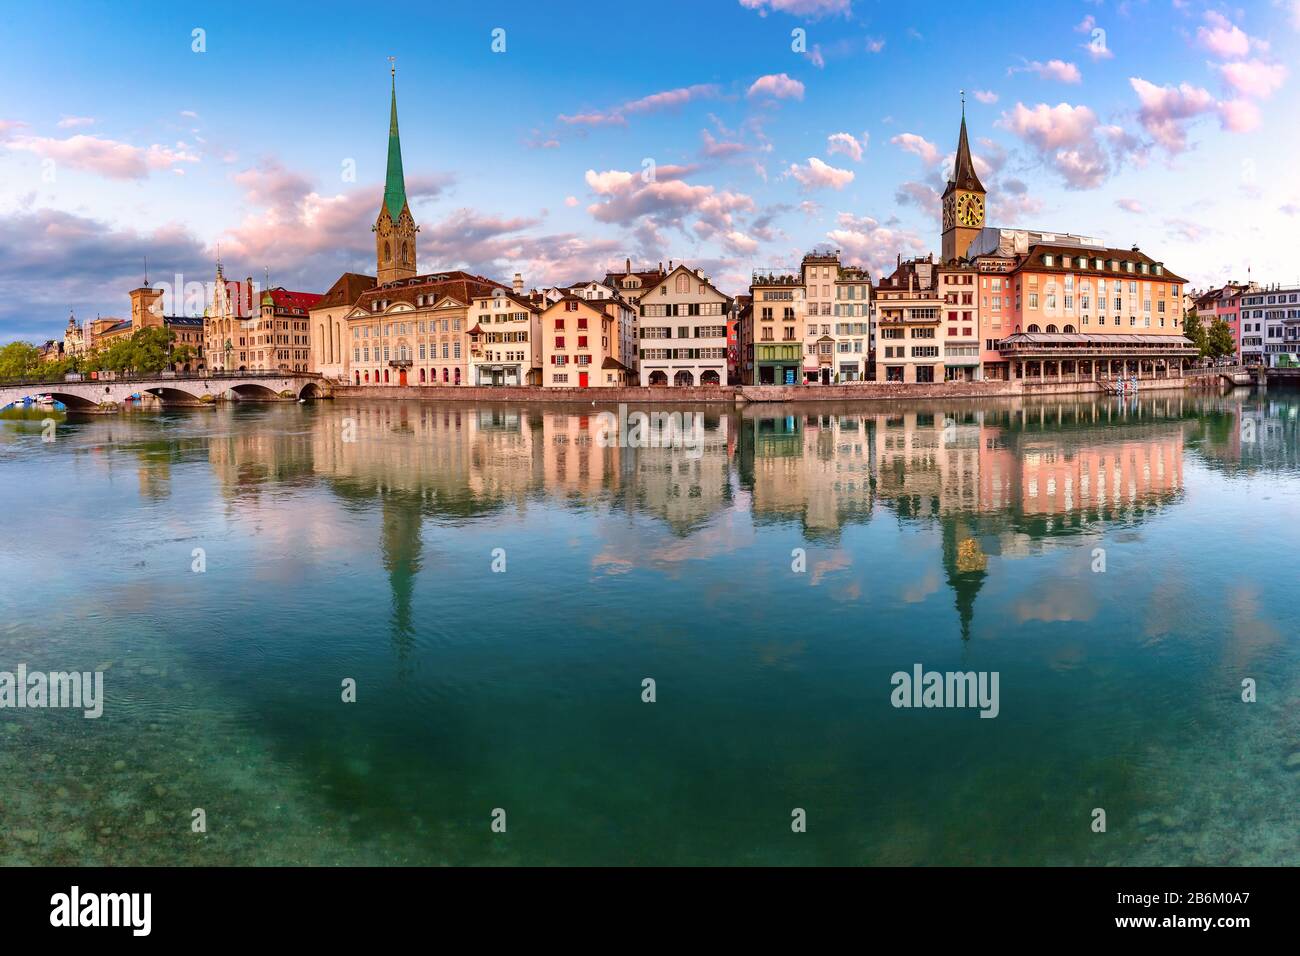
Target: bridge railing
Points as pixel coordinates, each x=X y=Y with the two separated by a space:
x=118 y=379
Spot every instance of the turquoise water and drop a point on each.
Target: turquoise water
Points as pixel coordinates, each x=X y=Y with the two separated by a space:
x=960 y=536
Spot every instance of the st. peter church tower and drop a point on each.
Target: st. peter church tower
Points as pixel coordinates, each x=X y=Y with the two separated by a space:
x=963 y=201
x=395 y=227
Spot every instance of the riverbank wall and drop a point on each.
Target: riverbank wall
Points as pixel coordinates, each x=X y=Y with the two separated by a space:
x=739 y=394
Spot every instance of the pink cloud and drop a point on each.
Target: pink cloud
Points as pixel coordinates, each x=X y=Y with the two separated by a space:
x=865 y=240
x=1254 y=77
x=72 y=122
x=846 y=144
x=1065 y=137
x=1130 y=205
x=1165 y=110
x=1058 y=70
x=776 y=85
x=720 y=148
x=988 y=97
x=820 y=175
x=667 y=99
x=1239 y=115
x=1222 y=37
x=106 y=157
x=807 y=9
x=667 y=200
x=913 y=143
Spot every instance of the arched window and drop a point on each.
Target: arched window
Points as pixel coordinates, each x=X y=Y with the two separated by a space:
x=388 y=251
x=1070 y=329
x=385 y=376
x=367 y=378
x=1033 y=327
x=457 y=376
x=444 y=376
x=683 y=283
x=1051 y=328
x=358 y=375
x=421 y=376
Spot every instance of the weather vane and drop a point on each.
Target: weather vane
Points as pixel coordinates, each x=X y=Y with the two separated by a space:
x=393 y=64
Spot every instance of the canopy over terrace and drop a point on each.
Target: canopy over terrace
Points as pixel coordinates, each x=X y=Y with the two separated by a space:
x=1074 y=356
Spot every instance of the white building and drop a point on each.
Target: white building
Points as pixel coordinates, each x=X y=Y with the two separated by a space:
x=683 y=328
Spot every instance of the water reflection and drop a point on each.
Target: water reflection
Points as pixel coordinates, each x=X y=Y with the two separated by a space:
x=357 y=540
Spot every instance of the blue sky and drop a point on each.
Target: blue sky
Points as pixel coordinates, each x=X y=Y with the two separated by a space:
x=706 y=132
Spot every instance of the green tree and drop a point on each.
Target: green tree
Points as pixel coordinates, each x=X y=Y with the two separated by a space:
x=19 y=360
x=151 y=349
x=1194 y=330
x=1218 y=341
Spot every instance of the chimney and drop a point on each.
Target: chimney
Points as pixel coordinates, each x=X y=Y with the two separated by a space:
x=661 y=265
x=518 y=284
x=670 y=265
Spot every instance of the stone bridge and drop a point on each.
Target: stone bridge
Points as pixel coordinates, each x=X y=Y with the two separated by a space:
x=1231 y=374
x=108 y=395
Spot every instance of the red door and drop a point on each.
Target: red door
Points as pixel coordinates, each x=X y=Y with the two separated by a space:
x=401 y=378
x=582 y=380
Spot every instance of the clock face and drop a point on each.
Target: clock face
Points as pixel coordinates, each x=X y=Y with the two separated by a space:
x=970 y=210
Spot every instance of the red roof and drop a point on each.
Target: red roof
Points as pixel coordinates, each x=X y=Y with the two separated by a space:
x=285 y=299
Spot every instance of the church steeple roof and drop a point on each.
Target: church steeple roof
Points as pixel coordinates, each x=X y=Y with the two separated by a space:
x=395 y=184
x=963 y=167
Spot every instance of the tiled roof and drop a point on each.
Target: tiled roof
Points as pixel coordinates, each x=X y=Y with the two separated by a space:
x=1034 y=260
x=346 y=290
x=461 y=286
x=282 y=298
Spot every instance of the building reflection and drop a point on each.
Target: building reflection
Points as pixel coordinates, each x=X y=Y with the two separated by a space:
x=998 y=480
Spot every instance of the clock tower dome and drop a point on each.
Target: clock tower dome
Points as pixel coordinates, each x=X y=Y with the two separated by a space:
x=963 y=201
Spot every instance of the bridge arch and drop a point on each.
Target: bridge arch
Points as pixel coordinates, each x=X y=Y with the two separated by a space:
x=255 y=392
x=170 y=395
x=70 y=400
x=311 y=392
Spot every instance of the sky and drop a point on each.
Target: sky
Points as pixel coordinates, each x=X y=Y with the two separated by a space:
x=558 y=139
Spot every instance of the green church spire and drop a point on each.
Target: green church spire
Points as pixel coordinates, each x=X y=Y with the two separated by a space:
x=395 y=185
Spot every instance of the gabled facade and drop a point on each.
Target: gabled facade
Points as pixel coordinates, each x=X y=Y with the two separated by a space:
x=580 y=342
x=683 y=328
x=505 y=337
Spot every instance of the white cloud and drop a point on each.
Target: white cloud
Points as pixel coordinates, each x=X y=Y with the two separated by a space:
x=846 y=144
x=819 y=175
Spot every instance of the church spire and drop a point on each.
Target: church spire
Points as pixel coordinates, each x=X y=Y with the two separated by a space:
x=395 y=184
x=963 y=167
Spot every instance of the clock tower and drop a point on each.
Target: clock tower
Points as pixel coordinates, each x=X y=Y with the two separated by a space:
x=963 y=201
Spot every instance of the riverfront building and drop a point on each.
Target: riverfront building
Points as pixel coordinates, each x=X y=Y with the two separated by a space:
x=909 y=324
x=505 y=339
x=1270 y=324
x=580 y=343
x=1079 y=310
x=772 y=335
x=683 y=324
